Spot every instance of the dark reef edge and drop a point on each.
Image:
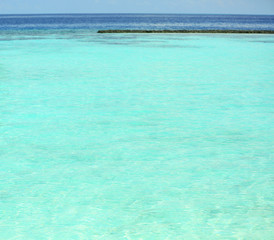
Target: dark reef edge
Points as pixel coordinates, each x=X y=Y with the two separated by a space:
x=189 y=31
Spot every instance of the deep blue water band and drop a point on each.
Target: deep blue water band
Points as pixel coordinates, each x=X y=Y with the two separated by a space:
x=137 y=21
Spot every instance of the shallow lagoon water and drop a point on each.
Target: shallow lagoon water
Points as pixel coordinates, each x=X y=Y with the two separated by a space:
x=136 y=136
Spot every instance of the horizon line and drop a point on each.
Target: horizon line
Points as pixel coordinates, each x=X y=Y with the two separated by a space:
x=255 y=14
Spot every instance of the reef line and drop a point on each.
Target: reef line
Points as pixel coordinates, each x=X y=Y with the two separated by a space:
x=189 y=31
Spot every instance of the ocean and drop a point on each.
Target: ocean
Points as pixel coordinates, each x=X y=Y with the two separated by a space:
x=136 y=136
x=136 y=21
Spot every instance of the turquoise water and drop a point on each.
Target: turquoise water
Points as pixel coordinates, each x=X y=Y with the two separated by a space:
x=136 y=136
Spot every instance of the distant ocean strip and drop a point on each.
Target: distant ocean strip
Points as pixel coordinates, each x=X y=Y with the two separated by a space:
x=94 y=22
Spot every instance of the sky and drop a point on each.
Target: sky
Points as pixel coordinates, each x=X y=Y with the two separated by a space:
x=137 y=6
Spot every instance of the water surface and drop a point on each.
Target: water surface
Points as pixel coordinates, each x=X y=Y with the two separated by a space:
x=135 y=136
